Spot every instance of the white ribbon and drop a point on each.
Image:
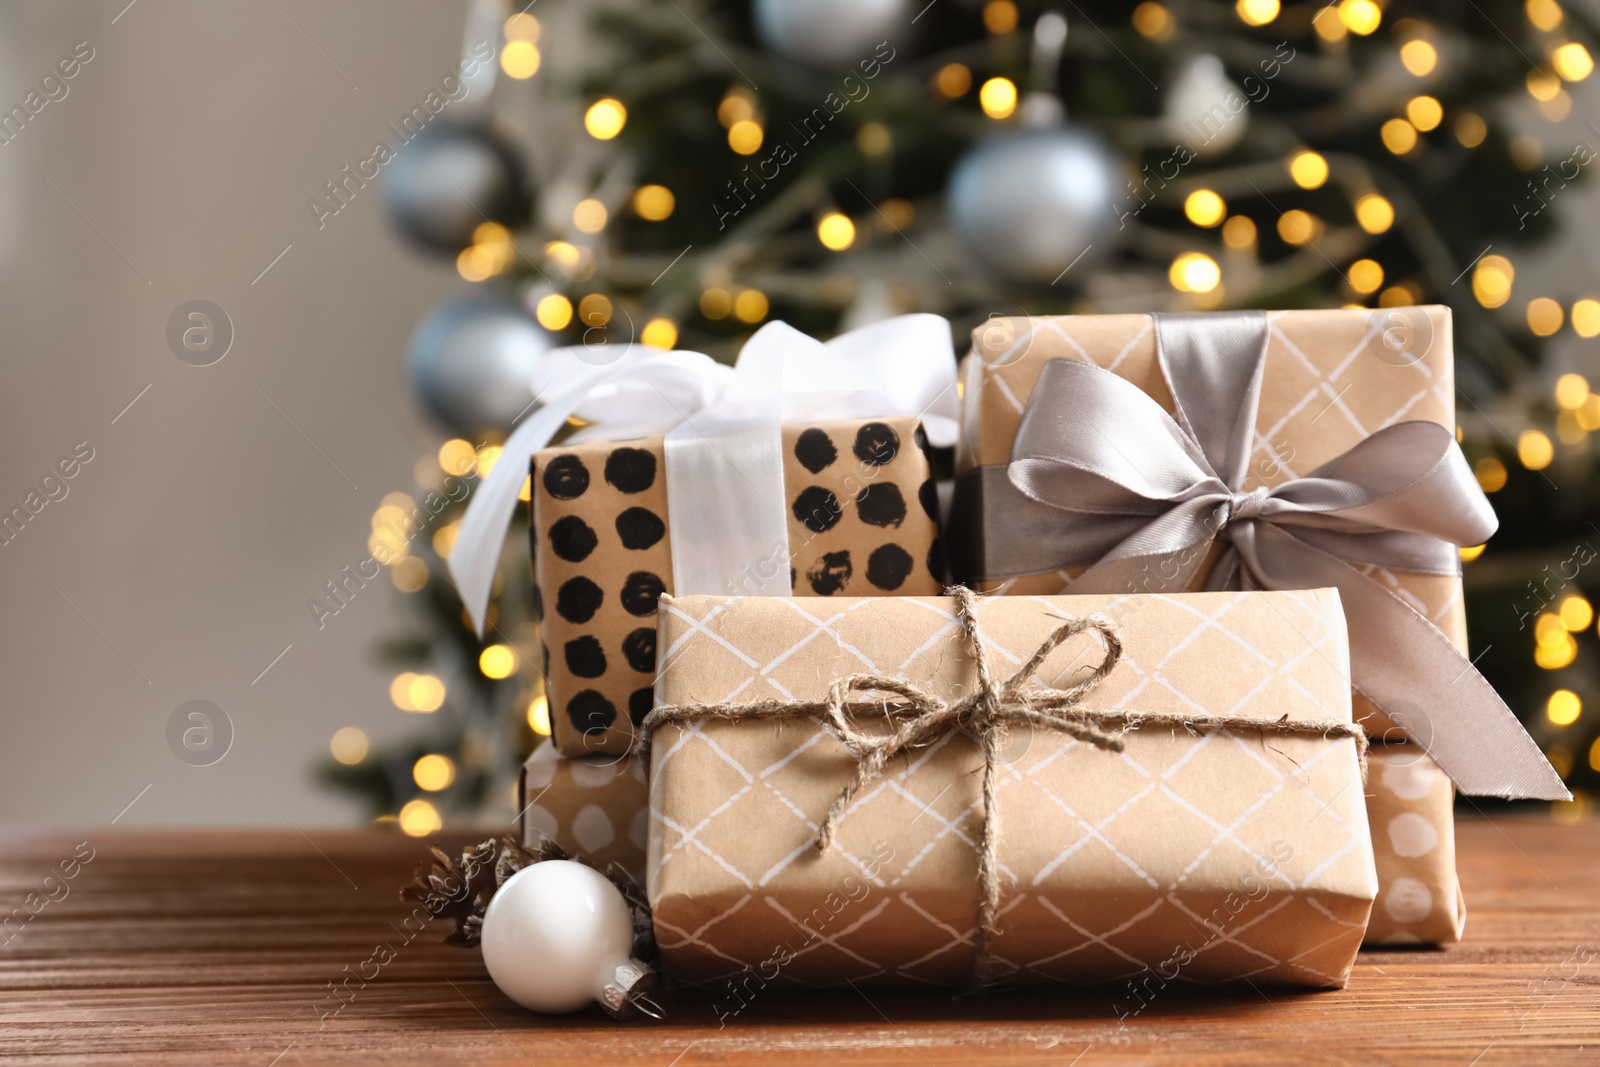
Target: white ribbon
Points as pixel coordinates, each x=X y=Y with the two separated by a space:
x=724 y=460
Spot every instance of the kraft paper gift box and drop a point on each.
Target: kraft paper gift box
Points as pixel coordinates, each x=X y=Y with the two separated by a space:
x=1201 y=854
x=1330 y=380
x=1410 y=808
x=862 y=520
x=594 y=807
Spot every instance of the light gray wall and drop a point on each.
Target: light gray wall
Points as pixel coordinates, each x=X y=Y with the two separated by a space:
x=180 y=562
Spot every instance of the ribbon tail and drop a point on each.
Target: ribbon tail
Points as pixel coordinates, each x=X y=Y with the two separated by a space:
x=1416 y=676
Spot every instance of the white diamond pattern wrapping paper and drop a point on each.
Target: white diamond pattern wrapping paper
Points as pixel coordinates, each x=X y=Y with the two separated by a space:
x=1204 y=855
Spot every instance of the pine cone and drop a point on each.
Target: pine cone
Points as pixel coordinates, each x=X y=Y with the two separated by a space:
x=460 y=890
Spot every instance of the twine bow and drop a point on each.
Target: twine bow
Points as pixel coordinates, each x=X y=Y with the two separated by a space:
x=921 y=718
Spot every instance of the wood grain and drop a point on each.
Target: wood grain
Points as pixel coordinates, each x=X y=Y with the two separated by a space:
x=212 y=948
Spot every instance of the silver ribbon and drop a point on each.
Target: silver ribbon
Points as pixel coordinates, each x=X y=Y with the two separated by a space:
x=1101 y=475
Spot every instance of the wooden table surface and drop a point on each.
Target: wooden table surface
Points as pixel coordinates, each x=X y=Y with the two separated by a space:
x=218 y=948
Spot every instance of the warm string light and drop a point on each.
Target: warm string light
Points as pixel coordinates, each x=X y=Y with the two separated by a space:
x=1555 y=647
x=836 y=231
x=745 y=136
x=433 y=772
x=1365 y=276
x=1194 y=272
x=539 y=716
x=998 y=98
x=1424 y=112
x=490 y=253
x=1308 y=169
x=750 y=306
x=1203 y=207
x=1399 y=136
x=419 y=819
x=1470 y=129
x=1492 y=279
x=590 y=215
x=659 y=333
x=1298 y=227
x=1000 y=17
x=458 y=457
x=1374 y=213
x=520 y=57
x=1534 y=450
x=605 y=119
x=1257 y=12
x=349 y=746
x=595 y=310
x=1239 y=232
x=1419 y=58
x=1545 y=316
x=553 y=311
x=1360 y=17
x=953 y=80
x=408 y=575
x=1545 y=15
x=653 y=202
x=874 y=139
x=1571 y=389
x=1575 y=613
x=1491 y=474
x=497 y=662
x=422 y=693
x=1572 y=62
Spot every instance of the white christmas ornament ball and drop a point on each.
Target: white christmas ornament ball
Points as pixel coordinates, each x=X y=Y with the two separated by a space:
x=558 y=936
x=1030 y=204
x=1204 y=109
x=831 y=33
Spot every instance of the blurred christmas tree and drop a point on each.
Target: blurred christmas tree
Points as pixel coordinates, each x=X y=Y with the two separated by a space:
x=679 y=172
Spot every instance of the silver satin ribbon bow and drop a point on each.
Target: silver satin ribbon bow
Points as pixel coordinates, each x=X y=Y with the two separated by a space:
x=1146 y=499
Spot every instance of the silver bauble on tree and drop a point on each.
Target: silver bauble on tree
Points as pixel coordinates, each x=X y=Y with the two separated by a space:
x=1204 y=108
x=449 y=180
x=831 y=33
x=471 y=362
x=1030 y=204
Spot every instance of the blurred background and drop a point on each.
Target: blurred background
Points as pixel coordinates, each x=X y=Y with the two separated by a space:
x=275 y=276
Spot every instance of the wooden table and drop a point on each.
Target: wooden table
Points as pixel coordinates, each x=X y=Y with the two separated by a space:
x=218 y=948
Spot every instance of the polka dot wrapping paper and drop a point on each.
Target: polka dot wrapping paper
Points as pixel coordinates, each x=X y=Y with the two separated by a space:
x=1409 y=806
x=863 y=520
x=594 y=807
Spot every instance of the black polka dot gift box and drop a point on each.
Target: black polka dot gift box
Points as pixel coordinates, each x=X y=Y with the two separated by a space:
x=862 y=520
x=803 y=469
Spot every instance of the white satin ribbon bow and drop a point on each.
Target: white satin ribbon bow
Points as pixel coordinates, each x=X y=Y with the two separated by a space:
x=724 y=459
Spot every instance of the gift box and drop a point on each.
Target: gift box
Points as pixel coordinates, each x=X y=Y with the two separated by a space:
x=1226 y=839
x=594 y=807
x=862 y=520
x=1329 y=380
x=1410 y=806
x=1152 y=453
